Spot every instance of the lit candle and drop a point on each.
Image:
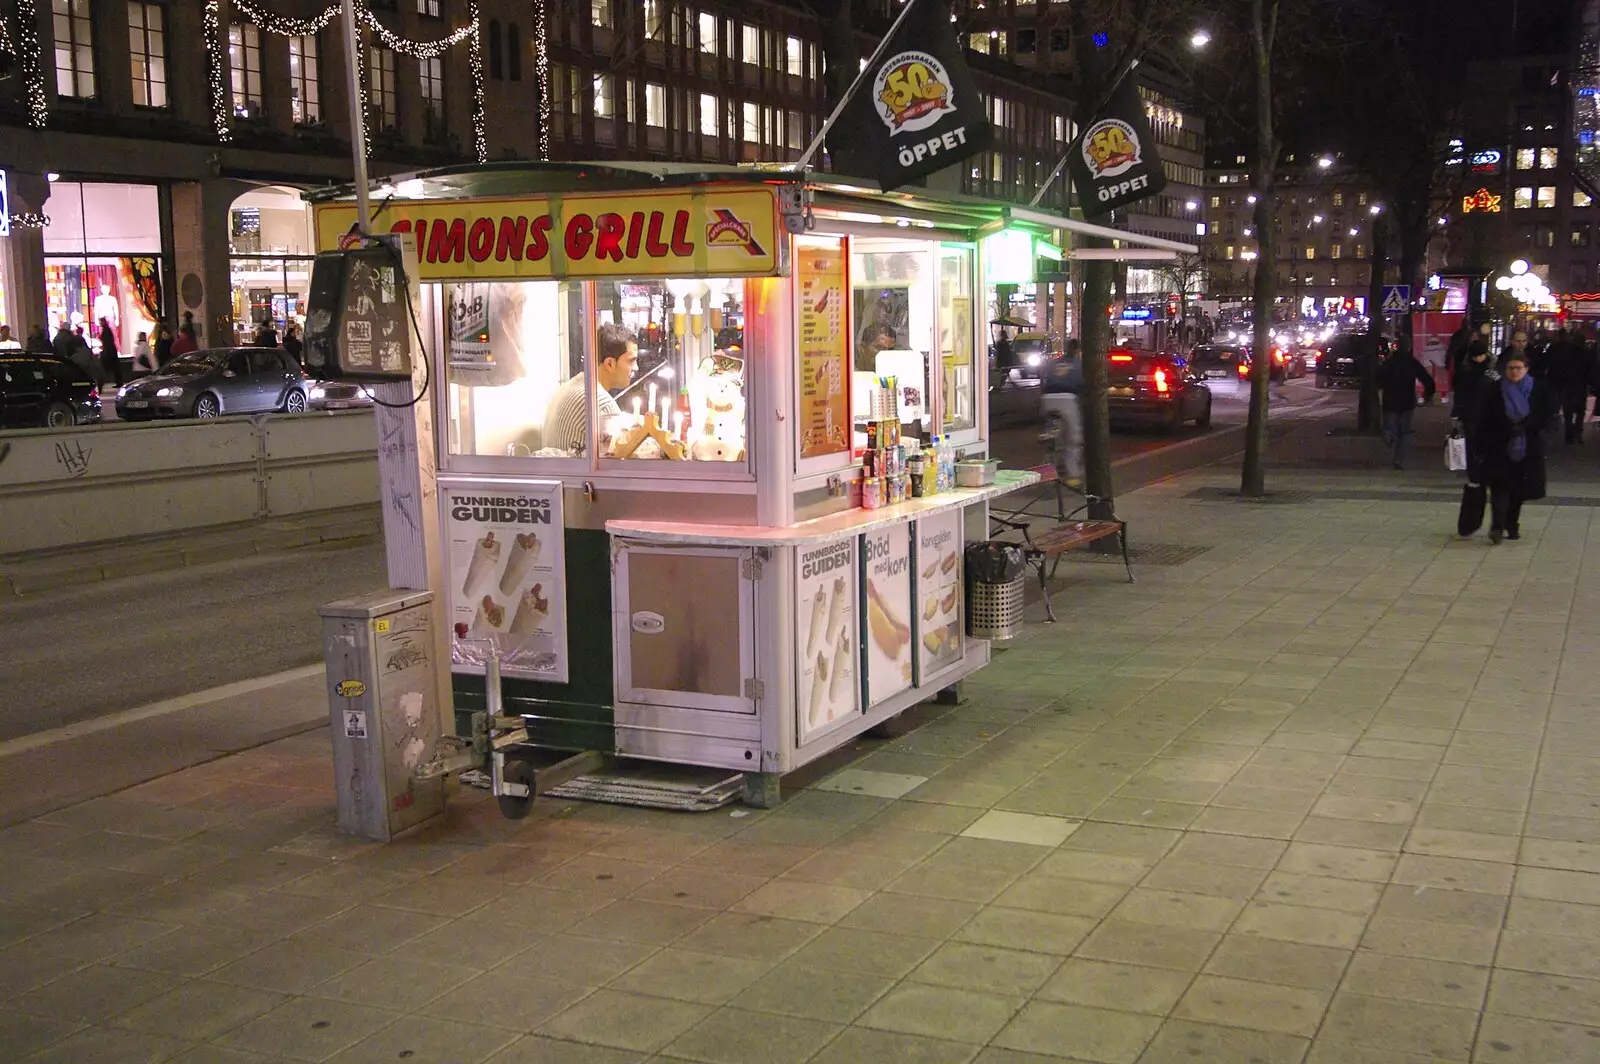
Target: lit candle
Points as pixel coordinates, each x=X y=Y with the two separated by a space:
x=665 y=406
x=636 y=417
x=652 y=395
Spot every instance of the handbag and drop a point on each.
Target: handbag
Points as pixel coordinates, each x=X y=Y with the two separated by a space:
x=1455 y=452
x=1474 y=498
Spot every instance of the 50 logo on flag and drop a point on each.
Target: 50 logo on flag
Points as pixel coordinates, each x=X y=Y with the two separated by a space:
x=912 y=91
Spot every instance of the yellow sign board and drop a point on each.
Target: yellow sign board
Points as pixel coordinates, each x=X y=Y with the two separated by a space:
x=708 y=232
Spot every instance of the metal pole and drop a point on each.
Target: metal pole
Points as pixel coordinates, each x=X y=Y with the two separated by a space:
x=358 y=128
x=838 y=108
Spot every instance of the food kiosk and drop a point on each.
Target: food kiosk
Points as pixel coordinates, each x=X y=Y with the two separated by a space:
x=660 y=394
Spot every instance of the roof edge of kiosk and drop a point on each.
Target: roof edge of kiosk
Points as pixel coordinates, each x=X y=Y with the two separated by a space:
x=954 y=210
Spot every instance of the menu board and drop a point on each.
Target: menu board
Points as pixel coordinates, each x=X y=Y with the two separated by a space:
x=828 y=681
x=939 y=627
x=886 y=579
x=824 y=350
x=505 y=576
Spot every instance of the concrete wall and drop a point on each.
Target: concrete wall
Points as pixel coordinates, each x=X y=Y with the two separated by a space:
x=106 y=482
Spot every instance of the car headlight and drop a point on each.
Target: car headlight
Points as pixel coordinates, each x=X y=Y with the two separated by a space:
x=316 y=391
x=169 y=392
x=1034 y=360
x=123 y=391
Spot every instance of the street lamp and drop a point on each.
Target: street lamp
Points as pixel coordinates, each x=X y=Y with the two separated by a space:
x=1502 y=283
x=1200 y=39
x=1375 y=210
x=1519 y=267
x=1325 y=163
x=1316 y=219
x=1191 y=206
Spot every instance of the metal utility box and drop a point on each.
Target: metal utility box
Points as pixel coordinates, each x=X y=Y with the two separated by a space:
x=382 y=710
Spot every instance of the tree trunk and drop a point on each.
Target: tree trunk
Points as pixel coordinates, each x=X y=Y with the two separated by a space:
x=1367 y=415
x=1094 y=331
x=1253 y=477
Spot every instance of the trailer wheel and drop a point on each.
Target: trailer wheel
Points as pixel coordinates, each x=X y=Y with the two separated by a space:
x=517 y=807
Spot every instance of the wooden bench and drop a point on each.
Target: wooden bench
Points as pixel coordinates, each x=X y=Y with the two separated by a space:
x=1051 y=543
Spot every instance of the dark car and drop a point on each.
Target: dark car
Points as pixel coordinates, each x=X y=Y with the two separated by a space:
x=338 y=395
x=1142 y=387
x=1341 y=362
x=42 y=391
x=1218 y=361
x=210 y=383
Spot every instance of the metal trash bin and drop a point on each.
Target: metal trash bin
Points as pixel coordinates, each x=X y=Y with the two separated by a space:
x=382 y=710
x=996 y=576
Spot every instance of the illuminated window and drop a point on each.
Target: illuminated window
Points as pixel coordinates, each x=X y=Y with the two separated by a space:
x=429 y=8
x=604 y=96
x=1524 y=158
x=147 y=48
x=978 y=42
x=600 y=12
x=1338 y=197
x=791 y=56
x=1239 y=159
x=708 y=115
x=1580 y=236
x=750 y=38
x=74 y=48
x=1361 y=199
x=708 y=32
x=1581 y=199
x=244 y=61
x=1216 y=201
x=382 y=101
x=305 y=96
x=1361 y=251
x=796 y=129
x=652 y=19
x=1336 y=251
x=655 y=105
x=752 y=124
x=1311 y=252
x=1548 y=157
x=1228 y=251
x=1522 y=198
x=1547 y=196
x=996 y=168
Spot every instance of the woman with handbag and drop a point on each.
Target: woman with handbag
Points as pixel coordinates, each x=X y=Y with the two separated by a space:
x=1509 y=444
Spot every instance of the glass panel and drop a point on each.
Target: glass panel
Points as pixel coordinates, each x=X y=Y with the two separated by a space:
x=956 y=339
x=893 y=284
x=511 y=391
x=681 y=394
x=109 y=218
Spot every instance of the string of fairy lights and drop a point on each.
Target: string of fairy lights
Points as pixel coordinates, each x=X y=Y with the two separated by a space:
x=220 y=68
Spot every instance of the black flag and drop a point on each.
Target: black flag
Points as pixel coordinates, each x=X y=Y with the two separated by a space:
x=916 y=110
x=1114 y=160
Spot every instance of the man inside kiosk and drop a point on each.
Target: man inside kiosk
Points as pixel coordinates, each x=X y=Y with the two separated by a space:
x=567 y=419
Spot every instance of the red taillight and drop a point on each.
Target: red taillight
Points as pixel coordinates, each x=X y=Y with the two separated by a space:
x=1161 y=380
x=1277 y=356
x=1244 y=369
x=1122 y=358
x=94 y=393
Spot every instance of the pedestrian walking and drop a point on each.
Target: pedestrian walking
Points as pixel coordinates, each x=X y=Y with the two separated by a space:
x=1518 y=347
x=1397 y=381
x=292 y=342
x=39 y=341
x=184 y=342
x=1570 y=373
x=144 y=359
x=1467 y=382
x=161 y=345
x=266 y=335
x=1510 y=445
x=110 y=358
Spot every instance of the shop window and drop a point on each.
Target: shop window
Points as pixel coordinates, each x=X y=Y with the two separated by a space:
x=147 y=53
x=102 y=259
x=382 y=102
x=1522 y=198
x=956 y=340
x=894 y=301
x=1547 y=196
x=514 y=369
x=604 y=96
x=431 y=74
x=270 y=257
x=655 y=105
x=1548 y=158
x=600 y=12
x=497 y=70
x=670 y=372
x=1524 y=158
x=74 y=33
x=305 y=95
x=244 y=66
x=791 y=56
x=513 y=52
x=429 y=9
x=708 y=32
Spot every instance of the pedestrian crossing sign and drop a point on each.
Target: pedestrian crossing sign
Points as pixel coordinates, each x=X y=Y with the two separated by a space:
x=1396 y=298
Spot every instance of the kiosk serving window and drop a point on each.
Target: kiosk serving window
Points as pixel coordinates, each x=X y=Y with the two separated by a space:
x=959 y=394
x=683 y=397
x=514 y=350
x=893 y=283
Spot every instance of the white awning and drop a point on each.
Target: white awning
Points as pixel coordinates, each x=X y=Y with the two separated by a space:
x=1029 y=216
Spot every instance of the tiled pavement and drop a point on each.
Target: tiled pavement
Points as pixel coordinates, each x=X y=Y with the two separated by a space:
x=1329 y=792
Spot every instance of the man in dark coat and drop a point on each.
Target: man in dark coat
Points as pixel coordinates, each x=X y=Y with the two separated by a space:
x=1570 y=371
x=1397 y=381
x=1467 y=384
x=1509 y=450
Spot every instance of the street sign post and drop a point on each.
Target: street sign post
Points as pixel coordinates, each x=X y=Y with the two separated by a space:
x=1396 y=298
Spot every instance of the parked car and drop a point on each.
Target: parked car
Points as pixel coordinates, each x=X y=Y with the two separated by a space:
x=1218 y=361
x=42 y=391
x=217 y=381
x=1142 y=387
x=337 y=395
x=1294 y=361
x=1309 y=357
x=1340 y=365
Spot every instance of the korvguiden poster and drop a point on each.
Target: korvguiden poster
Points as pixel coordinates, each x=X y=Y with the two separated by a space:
x=506 y=577
x=828 y=679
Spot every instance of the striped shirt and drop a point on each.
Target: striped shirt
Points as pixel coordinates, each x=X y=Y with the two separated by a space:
x=566 y=420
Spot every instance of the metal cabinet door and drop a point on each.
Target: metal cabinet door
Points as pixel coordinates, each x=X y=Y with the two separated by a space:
x=685 y=626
